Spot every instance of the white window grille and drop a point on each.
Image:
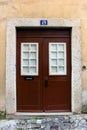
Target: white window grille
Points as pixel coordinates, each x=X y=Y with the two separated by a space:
x=29 y=58
x=57 y=58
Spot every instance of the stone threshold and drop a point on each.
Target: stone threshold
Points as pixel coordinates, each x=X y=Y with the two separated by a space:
x=25 y=115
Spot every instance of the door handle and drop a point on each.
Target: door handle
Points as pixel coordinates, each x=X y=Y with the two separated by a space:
x=46 y=81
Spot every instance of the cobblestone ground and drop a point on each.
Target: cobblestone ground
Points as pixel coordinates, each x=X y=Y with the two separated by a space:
x=74 y=122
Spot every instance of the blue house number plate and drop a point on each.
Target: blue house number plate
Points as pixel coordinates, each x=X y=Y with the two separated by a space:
x=43 y=22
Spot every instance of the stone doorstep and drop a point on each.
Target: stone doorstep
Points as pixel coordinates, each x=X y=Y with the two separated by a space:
x=24 y=115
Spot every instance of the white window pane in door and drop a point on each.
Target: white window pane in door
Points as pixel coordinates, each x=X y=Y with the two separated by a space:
x=53 y=54
x=25 y=62
x=29 y=58
x=61 y=47
x=60 y=54
x=32 y=62
x=53 y=69
x=53 y=62
x=57 y=58
x=33 y=47
x=32 y=70
x=32 y=55
x=25 y=69
x=61 y=69
x=25 y=55
x=25 y=47
x=61 y=62
x=53 y=47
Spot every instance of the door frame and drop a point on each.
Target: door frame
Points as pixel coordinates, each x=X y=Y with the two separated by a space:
x=76 y=88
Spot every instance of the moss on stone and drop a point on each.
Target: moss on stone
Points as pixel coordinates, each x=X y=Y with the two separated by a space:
x=2 y=115
x=84 y=109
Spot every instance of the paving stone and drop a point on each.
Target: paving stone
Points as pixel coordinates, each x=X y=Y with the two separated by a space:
x=74 y=122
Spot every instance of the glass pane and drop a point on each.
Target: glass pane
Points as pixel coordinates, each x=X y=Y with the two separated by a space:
x=32 y=62
x=54 y=62
x=57 y=58
x=61 y=62
x=60 y=54
x=53 y=46
x=25 y=47
x=25 y=69
x=29 y=58
x=32 y=70
x=25 y=62
x=53 y=54
x=61 y=47
x=32 y=55
x=53 y=69
x=25 y=55
x=33 y=47
x=61 y=69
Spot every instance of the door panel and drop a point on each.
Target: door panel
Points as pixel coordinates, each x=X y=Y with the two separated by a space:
x=57 y=93
x=44 y=78
x=29 y=90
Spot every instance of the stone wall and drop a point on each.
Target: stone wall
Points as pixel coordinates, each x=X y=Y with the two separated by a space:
x=41 y=9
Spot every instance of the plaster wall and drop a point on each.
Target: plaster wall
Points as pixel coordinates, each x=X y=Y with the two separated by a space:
x=41 y=9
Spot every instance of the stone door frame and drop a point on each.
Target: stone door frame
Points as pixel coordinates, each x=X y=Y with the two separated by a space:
x=76 y=88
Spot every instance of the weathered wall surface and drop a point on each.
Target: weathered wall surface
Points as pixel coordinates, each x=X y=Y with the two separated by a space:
x=40 y=9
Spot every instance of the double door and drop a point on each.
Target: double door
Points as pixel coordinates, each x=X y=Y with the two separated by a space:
x=43 y=72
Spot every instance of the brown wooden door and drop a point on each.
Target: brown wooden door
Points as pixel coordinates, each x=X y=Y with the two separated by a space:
x=48 y=88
